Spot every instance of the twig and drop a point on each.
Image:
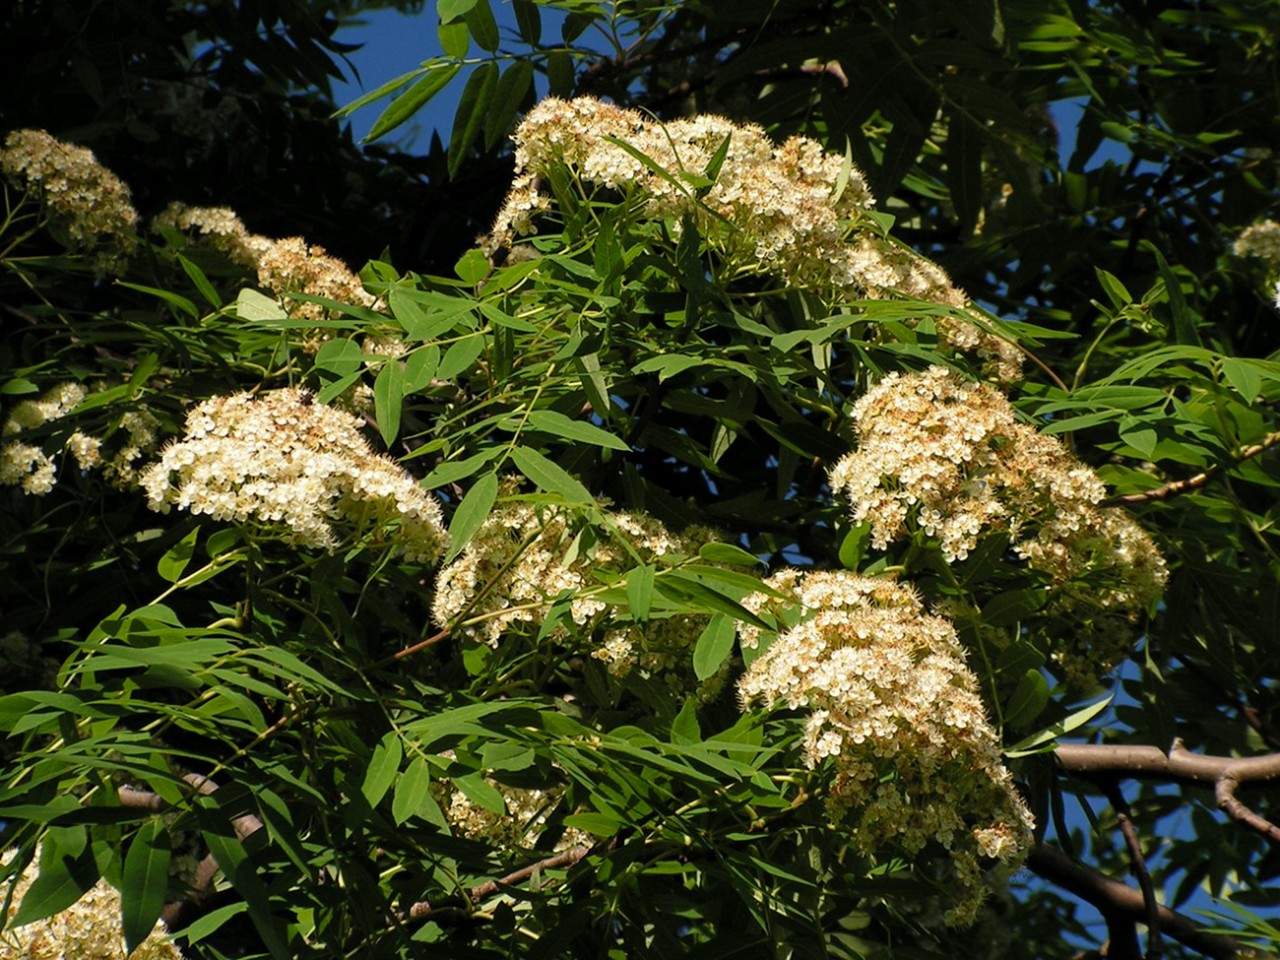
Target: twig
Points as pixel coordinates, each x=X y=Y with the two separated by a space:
x=1138 y=863
x=566 y=858
x=1114 y=898
x=1175 y=487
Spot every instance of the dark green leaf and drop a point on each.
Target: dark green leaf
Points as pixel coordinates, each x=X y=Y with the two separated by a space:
x=471 y=514
x=414 y=99
x=470 y=117
x=145 y=882
x=549 y=476
x=513 y=87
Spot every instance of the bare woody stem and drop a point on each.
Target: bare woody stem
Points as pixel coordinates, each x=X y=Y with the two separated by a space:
x=1138 y=863
x=1224 y=774
x=1117 y=901
x=566 y=858
x=1175 y=487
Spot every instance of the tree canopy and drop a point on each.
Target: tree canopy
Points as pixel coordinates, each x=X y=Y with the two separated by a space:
x=781 y=479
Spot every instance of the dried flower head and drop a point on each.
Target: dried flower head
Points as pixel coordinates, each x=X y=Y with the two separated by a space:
x=295 y=469
x=83 y=199
x=88 y=930
x=948 y=458
x=895 y=710
x=790 y=210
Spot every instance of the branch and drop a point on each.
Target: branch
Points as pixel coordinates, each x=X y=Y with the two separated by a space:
x=1138 y=864
x=566 y=858
x=1120 y=901
x=1175 y=487
x=1180 y=765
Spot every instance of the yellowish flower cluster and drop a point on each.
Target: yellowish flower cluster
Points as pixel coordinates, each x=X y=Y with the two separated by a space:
x=292 y=468
x=1262 y=240
x=519 y=827
x=948 y=457
x=896 y=711
x=88 y=930
x=283 y=266
x=790 y=209
x=525 y=556
x=84 y=199
x=29 y=465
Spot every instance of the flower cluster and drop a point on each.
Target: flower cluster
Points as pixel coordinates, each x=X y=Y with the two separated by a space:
x=945 y=456
x=283 y=266
x=34 y=469
x=86 y=201
x=525 y=557
x=27 y=464
x=792 y=209
x=292 y=468
x=87 y=930
x=520 y=825
x=1262 y=240
x=895 y=710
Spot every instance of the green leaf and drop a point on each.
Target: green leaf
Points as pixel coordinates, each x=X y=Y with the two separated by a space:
x=596 y=824
x=1243 y=377
x=453 y=470
x=479 y=791
x=513 y=87
x=1116 y=291
x=340 y=356
x=232 y=859
x=455 y=38
x=451 y=10
x=177 y=557
x=145 y=882
x=63 y=879
x=414 y=99
x=1042 y=742
x=549 y=421
x=472 y=267
x=1028 y=699
x=560 y=73
x=197 y=277
x=179 y=303
x=528 y=21
x=390 y=86
x=410 y=790
x=469 y=119
x=388 y=400
x=460 y=357
x=471 y=514
x=685 y=728
x=1006 y=609
x=484 y=29
x=549 y=476
x=420 y=368
x=715 y=643
x=854 y=546
x=640 y=591
x=728 y=553
x=383 y=766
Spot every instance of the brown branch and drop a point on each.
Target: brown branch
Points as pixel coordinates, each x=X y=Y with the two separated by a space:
x=566 y=858
x=1138 y=863
x=1115 y=899
x=1179 y=765
x=1175 y=487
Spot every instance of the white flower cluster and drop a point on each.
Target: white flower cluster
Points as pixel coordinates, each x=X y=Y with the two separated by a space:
x=948 y=457
x=31 y=467
x=283 y=266
x=792 y=209
x=896 y=711
x=1262 y=240
x=87 y=930
x=86 y=200
x=293 y=468
x=522 y=823
x=524 y=557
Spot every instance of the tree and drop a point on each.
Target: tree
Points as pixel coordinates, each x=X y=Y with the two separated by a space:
x=811 y=489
